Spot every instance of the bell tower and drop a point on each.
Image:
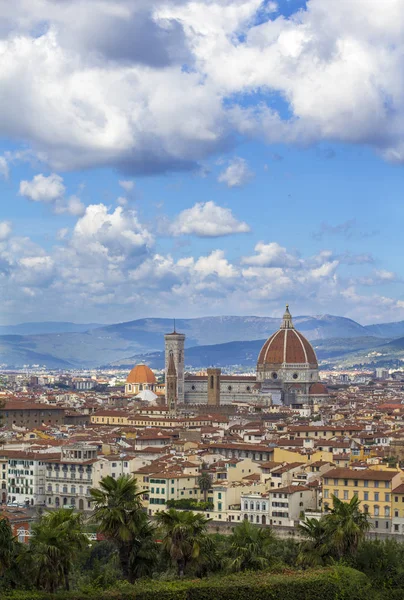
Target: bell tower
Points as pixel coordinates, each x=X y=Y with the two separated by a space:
x=171 y=386
x=175 y=344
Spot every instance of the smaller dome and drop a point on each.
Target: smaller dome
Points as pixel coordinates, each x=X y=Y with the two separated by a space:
x=318 y=389
x=141 y=374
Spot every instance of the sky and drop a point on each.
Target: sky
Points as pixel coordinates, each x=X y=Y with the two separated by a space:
x=183 y=158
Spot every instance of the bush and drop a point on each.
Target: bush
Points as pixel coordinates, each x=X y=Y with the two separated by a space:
x=338 y=583
x=190 y=504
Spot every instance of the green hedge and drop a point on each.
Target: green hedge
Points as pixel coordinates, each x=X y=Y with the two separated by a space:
x=339 y=583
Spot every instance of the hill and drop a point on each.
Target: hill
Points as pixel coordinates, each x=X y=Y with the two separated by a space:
x=210 y=340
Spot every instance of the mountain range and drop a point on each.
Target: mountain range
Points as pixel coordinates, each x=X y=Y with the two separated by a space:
x=221 y=341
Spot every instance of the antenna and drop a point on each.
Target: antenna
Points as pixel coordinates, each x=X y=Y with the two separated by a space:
x=174 y=327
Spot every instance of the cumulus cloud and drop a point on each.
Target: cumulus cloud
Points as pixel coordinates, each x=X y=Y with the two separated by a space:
x=236 y=174
x=51 y=190
x=4 y=168
x=207 y=220
x=114 y=90
x=5 y=230
x=127 y=185
x=42 y=188
x=271 y=255
x=116 y=236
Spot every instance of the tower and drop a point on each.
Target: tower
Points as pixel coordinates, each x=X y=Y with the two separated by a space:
x=174 y=344
x=214 y=387
x=171 y=386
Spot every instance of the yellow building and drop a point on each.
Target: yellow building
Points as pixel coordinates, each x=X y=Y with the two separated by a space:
x=109 y=417
x=398 y=509
x=372 y=486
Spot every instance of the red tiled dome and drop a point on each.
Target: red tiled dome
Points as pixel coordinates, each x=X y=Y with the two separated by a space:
x=287 y=346
x=141 y=374
x=317 y=389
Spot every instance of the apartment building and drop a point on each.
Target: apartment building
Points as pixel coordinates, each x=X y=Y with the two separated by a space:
x=26 y=477
x=70 y=476
x=373 y=488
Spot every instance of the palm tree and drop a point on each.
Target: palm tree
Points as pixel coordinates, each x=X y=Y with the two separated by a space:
x=119 y=515
x=184 y=534
x=315 y=550
x=346 y=526
x=57 y=538
x=204 y=483
x=250 y=547
x=7 y=542
x=144 y=551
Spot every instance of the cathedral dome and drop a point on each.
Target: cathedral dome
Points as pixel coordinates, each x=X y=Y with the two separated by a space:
x=141 y=374
x=286 y=346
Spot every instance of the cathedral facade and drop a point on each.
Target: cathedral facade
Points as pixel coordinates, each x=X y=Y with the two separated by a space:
x=287 y=373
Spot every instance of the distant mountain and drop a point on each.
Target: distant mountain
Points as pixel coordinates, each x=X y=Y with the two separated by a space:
x=113 y=344
x=46 y=327
x=244 y=354
x=391 y=330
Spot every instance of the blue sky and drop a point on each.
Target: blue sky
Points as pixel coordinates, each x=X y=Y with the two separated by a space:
x=235 y=156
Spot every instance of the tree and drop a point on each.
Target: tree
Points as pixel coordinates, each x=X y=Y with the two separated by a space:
x=57 y=539
x=205 y=484
x=346 y=526
x=144 y=551
x=7 y=542
x=315 y=550
x=250 y=547
x=184 y=535
x=119 y=515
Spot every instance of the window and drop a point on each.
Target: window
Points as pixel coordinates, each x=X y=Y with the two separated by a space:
x=387 y=511
x=346 y=494
x=245 y=505
x=376 y=496
x=335 y=481
x=326 y=494
x=346 y=482
x=376 y=524
x=366 y=483
x=396 y=513
x=326 y=480
x=219 y=495
x=336 y=493
x=355 y=483
x=387 y=484
x=376 y=484
x=387 y=497
x=219 y=506
x=366 y=495
x=376 y=510
x=395 y=498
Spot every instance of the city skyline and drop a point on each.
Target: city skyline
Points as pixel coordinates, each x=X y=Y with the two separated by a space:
x=154 y=163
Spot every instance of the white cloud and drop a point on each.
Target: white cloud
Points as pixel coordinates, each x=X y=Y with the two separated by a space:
x=207 y=220
x=5 y=230
x=271 y=255
x=4 y=168
x=115 y=236
x=42 y=188
x=102 y=100
x=236 y=174
x=215 y=264
x=72 y=206
x=127 y=185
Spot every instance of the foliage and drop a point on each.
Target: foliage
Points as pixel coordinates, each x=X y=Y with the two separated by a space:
x=190 y=504
x=120 y=517
x=56 y=540
x=340 y=583
x=204 y=483
x=336 y=535
x=250 y=547
x=184 y=535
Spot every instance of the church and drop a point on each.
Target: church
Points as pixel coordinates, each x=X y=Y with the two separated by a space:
x=287 y=373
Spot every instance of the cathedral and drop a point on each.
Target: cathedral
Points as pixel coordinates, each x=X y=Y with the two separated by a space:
x=287 y=373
